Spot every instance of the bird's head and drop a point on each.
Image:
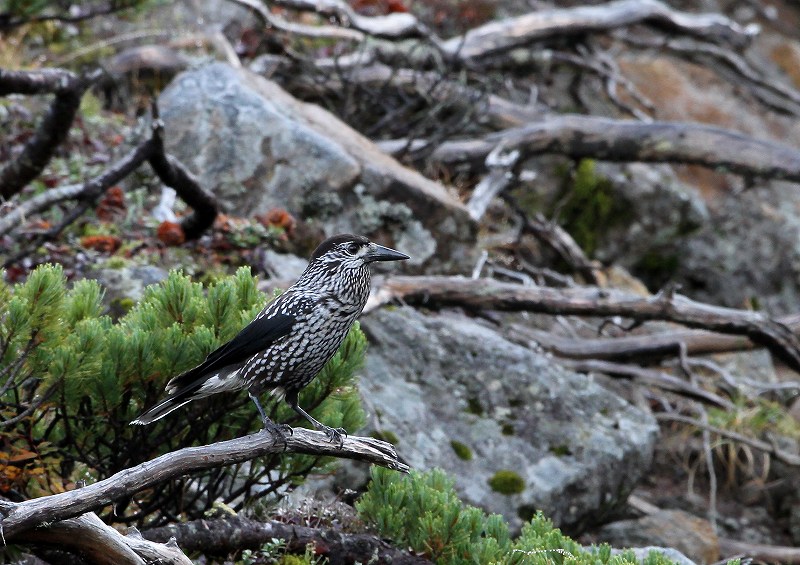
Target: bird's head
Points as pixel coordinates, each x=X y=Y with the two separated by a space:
x=353 y=251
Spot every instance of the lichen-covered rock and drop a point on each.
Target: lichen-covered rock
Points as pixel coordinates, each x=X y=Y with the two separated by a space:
x=256 y=147
x=517 y=431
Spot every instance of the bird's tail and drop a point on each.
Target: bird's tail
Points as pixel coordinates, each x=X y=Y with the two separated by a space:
x=170 y=403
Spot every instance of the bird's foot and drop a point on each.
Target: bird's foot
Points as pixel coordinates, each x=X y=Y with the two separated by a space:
x=335 y=435
x=282 y=431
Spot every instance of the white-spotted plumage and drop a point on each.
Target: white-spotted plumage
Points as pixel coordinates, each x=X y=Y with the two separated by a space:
x=292 y=338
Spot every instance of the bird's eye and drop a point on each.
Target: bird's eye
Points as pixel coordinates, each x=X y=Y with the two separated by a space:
x=353 y=248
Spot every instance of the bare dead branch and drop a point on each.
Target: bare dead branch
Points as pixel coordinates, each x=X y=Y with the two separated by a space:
x=650 y=377
x=487 y=294
x=641 y=348
x=235 y=533
x=561 y=242
x=271 y=20
x=54 y=127
x=396 y=25
x=501 y=165
x=101 y=544
x=607 y=139
x=20 y=517
x=760 y=552
x=173 y=174
x=168 y=169
x=499 y=36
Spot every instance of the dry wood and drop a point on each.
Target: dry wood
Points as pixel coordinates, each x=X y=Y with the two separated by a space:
x=68 y=89
x=658 y=379
x=167 y=168
x=231 y=534
x=759 y=552
x=500 y=36
x=641 y=348
x=607 y=139
x=272 y=21
x=503 y=35
x=101 y=544
x=397 y=25
x=487 y=294
x=20 y=517
x=561 y=242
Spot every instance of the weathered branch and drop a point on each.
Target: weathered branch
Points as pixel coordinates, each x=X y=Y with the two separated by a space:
x=498 y=36
x=167 y=168
x=54 y=127
x=759 y=551
x=650 y=347
x=273 y=21
x=607 y=139
x=231 y=534
x=173 y=174
x=396 y=25
x=23 y=516
x=101 y=544
x=481 y=294
x=650 y=377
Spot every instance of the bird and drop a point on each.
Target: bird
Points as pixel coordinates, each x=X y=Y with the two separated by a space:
x=286 y=345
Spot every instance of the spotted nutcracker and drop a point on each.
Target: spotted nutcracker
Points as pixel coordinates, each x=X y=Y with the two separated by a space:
x=292 y=338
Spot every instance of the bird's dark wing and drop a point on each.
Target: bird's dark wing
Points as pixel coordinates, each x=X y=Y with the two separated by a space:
x=256 y=336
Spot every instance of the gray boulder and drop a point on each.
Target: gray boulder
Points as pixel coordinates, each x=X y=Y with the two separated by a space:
x=256 y=147
x=517 y=432
x=747 y=254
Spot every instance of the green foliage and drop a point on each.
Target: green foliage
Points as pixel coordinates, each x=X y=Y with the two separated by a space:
x=506 y=481
x=589 y=206
x=275 y=553
x=74 y=379
x=423 y=512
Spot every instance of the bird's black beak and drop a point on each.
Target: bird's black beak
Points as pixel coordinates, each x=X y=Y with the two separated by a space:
x=380 y=253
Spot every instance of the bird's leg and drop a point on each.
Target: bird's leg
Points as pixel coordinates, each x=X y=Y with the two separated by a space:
x=280 y=429
x=335 y=435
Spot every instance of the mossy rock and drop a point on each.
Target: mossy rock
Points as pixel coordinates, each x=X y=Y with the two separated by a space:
x=589 y=206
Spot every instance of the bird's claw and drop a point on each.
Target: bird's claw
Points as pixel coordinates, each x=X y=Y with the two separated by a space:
x=335 y=435
x=282 y=431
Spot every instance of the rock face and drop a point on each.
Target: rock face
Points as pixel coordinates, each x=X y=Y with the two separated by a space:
x=748 y=253
x=517 y=432
x=256 y=147
x=689 y=534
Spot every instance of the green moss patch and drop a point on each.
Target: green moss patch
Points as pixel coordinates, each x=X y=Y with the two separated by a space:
x=507 y=482
x=461 y=449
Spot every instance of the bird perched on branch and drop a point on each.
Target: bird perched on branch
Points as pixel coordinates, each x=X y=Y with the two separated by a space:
x=292 y=338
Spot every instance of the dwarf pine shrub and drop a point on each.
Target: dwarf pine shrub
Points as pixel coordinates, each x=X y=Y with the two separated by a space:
x=423 y=512
x=71 y=380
